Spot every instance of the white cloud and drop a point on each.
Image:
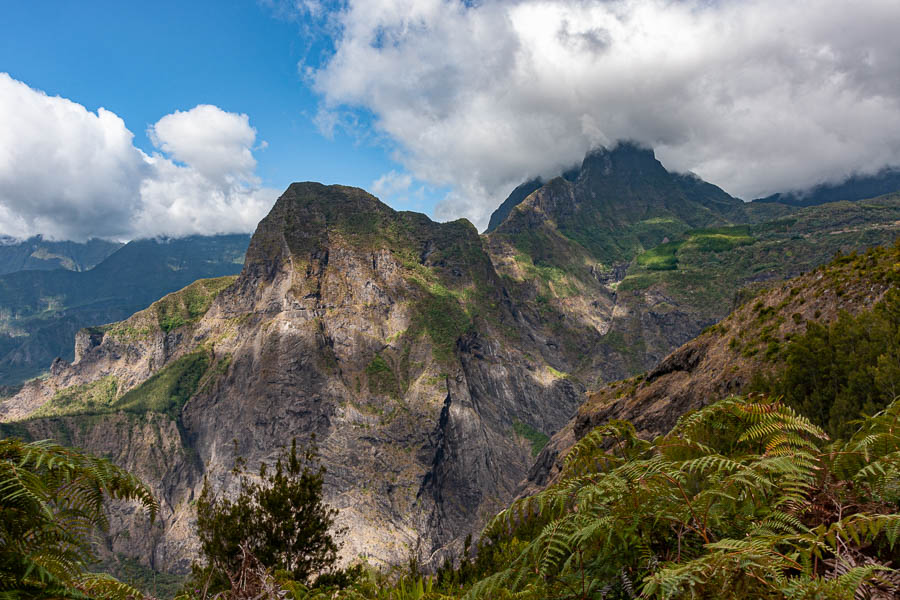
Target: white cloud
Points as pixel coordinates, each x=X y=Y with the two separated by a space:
x=754 y=95
x=391 y=184
x=214 y=142
x=68 y=173
x=63 y=169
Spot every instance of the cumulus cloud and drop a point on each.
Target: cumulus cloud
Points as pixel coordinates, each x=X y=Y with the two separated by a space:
x=214 y=142
x=69 y=173
x=757 y=96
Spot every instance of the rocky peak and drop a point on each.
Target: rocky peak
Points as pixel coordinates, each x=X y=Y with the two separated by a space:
x=626 y=160
x=386 y=335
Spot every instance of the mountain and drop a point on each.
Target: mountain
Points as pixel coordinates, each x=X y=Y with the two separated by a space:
x=518 y=195
x=619 y=200
x=36 y=253
x=431 y=363
x=856 y=187
x=754 y=345
x=40 y=311
x=386 y=335
x=628 y=261
x=515 y=198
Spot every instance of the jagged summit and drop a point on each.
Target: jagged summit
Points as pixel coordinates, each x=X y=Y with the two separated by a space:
x=625 y=159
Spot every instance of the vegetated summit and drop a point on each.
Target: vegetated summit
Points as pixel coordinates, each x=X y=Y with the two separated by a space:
x=431 y=363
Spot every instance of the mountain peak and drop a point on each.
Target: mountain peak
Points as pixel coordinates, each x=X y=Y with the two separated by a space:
x=626 y=160
x=622 y=200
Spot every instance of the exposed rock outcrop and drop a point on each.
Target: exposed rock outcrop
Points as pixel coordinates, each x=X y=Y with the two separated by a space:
x=384 y=335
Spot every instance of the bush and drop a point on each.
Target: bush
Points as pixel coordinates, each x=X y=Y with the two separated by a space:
x=280 y=519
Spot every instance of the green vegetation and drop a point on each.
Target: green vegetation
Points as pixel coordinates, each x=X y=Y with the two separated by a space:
x=719 y=239
x=439 y=314
x=96 y=396
x=844 y=370
x=51 y=502
x=743 y=499
x=538 y=440
x=189 y=304
x=661 y=258
x=152 y=583
x=167 y=391
x=278 y=520
x=382 y=379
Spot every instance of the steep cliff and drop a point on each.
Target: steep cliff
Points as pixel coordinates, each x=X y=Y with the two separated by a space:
x=385 y=335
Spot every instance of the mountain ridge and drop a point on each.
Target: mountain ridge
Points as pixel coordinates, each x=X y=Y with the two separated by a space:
x=36 y=253
x=856 y=187
x=428 y=360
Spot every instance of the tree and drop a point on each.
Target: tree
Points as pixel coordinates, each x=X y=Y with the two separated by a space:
x=51 y=501
x=279 y=518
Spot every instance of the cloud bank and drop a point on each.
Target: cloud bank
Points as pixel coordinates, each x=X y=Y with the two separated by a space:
x=68 y=173
x=757 y=96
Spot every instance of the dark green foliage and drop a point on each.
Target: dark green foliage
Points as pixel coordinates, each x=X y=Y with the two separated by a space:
x=838 y=372
x=439 y=314
x=143 y=578
x=280 y=518
x=51 y=502
x=661 y=258
x=743 y=499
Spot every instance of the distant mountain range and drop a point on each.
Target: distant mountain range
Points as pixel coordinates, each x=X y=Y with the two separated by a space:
x=857 y=187
x=431 y=363
x=36 y=253
x=40 y=310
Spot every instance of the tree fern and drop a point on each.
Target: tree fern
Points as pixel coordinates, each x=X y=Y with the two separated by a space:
x=51 y=502
x=738 y=500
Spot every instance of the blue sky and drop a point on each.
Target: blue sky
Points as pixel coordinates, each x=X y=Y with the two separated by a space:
x=143 y=60
x=440 y=106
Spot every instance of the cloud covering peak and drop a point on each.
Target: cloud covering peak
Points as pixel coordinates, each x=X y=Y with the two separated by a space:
x=69 y=173
x=757 y=96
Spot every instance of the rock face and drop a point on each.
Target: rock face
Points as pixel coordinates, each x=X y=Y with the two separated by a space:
x=384 y=335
